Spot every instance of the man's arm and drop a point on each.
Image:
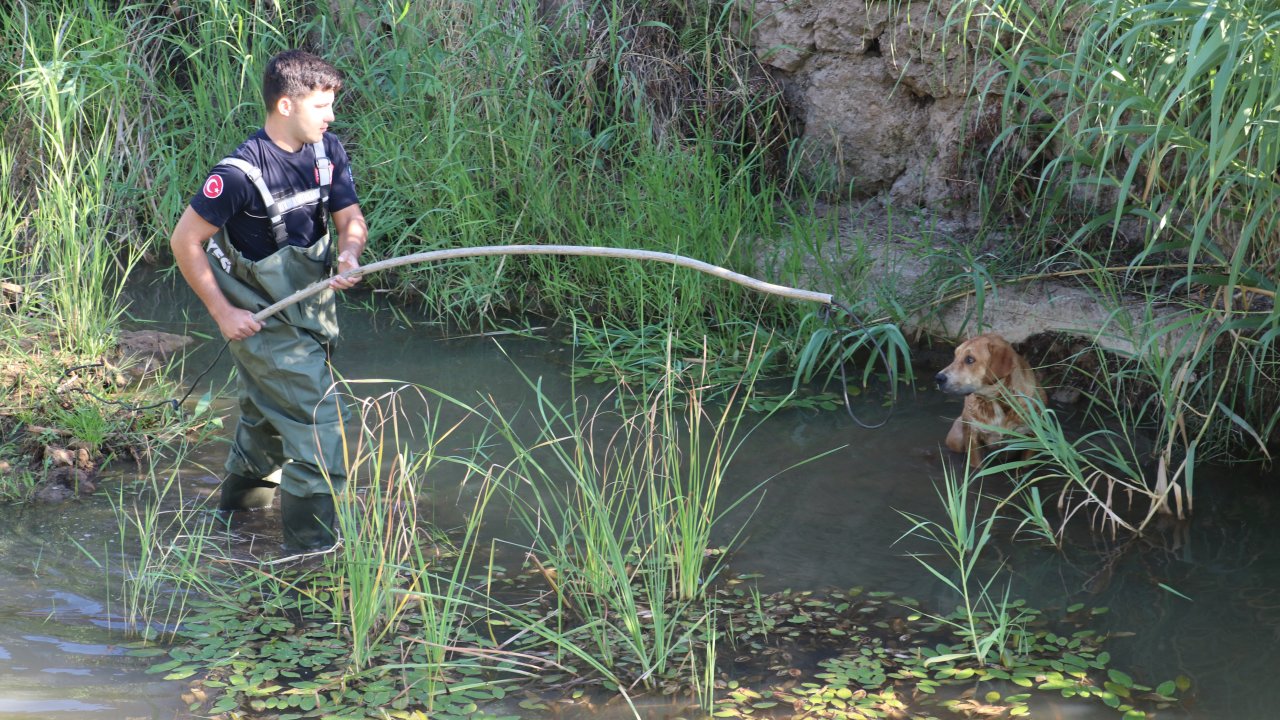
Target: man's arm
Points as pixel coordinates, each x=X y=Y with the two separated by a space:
x=187 y=243
x=353 y=232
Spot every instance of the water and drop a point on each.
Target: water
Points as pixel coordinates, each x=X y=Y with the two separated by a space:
x=829 y=523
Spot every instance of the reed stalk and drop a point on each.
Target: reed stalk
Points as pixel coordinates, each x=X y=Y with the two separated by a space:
x=621 y=508
x=384 y=562
x=68 y=89
x=987 y=621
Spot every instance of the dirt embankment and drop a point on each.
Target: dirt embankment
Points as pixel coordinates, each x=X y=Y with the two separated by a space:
x=61 y=419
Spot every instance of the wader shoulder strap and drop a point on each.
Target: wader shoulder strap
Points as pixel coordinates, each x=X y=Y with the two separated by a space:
x=277 y=208
x=274 y=213
x=324 y=171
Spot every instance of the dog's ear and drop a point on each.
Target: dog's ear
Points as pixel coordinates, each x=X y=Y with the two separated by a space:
x=1000 y=359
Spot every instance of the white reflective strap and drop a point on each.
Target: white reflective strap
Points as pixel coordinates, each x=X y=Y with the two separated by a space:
x=284 y=205
x=254 y=175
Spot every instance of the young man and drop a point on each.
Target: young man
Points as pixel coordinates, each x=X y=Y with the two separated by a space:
x=263 y=212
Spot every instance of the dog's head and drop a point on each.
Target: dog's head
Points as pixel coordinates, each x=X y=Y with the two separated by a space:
x=980 y=366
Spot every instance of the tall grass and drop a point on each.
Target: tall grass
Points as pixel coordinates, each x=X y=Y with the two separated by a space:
x=987 y=621
x=12 y=211
x=166 y=556
x=71 y=92
x=385 y=562
x=621 y=508
x=487 y=122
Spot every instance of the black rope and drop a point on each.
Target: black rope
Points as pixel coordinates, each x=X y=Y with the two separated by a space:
x=844 y=382
x=176 y=404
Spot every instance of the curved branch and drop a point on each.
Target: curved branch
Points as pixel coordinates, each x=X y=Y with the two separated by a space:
x=450 y=254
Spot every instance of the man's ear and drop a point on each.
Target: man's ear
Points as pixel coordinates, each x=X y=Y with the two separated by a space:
x=284 y=105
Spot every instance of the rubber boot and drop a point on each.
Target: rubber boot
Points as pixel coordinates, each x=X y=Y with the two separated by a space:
x=309 y=523
x=245 y=493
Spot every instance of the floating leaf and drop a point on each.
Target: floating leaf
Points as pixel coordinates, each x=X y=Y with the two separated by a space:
x=1119 y=677
x=1119 y=690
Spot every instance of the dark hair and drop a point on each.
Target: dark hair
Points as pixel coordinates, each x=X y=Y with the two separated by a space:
x=296 y=73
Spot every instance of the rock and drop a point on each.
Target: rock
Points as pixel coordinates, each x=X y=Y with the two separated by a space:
x=151 y=342
x=143 y=351
x=52 y=493
x=59 y=456
x=1065 y=395
x=74 y=479
x=881 y=92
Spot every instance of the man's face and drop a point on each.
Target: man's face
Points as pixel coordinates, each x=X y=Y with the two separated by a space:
x=310 y=115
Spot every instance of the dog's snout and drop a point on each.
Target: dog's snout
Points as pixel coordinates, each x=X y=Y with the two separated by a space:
x=941 y=379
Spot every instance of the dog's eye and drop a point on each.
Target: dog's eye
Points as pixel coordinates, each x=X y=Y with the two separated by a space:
x=968 y=359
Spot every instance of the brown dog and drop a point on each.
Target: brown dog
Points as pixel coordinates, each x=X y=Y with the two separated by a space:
x=990 y=374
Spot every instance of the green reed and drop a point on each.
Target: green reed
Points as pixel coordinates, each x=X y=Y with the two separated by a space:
x=384 y=564
x=163 y=554
x=12 y=211
x=987 y=621
x=622 y=502
x=68 y=93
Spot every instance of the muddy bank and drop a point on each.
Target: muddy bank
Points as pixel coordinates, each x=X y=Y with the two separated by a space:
x=63 y=419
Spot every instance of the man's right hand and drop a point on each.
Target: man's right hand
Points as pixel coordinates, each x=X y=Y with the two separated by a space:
x=187 y=242
x=237 y=324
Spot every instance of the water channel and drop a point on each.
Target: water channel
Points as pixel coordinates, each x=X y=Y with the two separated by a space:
x=829 y=524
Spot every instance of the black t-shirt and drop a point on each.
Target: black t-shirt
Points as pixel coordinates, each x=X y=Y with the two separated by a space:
x=229 y=200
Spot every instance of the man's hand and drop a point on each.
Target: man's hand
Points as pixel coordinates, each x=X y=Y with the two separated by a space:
x=347 y=260
x=237 y=324
x=187 y=242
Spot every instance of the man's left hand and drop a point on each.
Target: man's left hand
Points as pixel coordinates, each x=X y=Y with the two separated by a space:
x=347 y=260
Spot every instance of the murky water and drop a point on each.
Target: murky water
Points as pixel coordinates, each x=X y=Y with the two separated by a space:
x=830 y=523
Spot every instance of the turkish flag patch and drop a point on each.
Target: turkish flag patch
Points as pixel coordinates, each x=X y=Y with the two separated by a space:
x=213 y=186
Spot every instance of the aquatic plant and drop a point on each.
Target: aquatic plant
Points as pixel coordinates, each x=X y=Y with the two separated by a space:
x=854 y=654
x=988 y=621
x=385 y=564
x=621 y=506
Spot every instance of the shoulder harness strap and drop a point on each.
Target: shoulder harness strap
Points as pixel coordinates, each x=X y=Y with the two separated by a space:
x=324 y=172
x=274 y=213
x=277 y=208
x=324 y=169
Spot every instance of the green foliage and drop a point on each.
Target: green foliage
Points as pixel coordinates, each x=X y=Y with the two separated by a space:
x=621 y=515
x=987 y=620
x=880 y=655
x=68 y=92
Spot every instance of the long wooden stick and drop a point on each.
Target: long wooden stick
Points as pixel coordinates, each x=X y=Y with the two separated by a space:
x=450 y=254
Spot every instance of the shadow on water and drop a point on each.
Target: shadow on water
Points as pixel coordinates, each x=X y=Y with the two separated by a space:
x=832 y=523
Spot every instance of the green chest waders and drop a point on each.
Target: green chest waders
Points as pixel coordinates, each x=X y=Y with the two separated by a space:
x=289 y=419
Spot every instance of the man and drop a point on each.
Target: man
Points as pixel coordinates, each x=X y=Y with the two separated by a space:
x=263 y=212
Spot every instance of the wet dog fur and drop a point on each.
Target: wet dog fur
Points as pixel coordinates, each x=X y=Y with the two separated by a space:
x=990 y=375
